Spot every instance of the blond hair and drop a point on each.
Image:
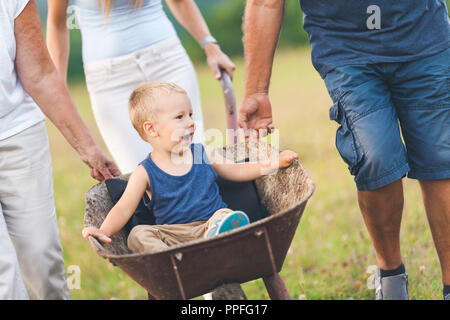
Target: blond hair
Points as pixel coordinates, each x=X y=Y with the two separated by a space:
x=143 y=102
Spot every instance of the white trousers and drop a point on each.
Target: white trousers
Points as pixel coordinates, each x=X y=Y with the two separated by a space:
x=31 y=260
x=110 y=83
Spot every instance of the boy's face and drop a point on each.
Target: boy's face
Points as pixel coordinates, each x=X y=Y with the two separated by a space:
x=174 y=127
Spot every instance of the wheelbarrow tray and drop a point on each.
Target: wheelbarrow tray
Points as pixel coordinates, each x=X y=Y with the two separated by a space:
x=194 y=268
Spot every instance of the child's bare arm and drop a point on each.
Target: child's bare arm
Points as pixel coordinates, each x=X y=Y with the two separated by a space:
x=247 y=171
x=119 y=215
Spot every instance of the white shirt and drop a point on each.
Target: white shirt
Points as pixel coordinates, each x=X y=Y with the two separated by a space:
x=18 y=111
x=127 y=30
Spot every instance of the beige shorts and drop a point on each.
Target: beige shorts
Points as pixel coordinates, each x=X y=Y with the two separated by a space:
x=153 y=238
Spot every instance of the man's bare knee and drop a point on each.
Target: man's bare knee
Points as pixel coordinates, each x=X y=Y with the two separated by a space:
x=385 y=199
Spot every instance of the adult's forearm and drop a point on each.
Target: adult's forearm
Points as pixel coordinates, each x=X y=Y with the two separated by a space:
x=58 y=43
x=189 y=16
x=262 y=25
x=52 y=96
x=58 y=39
x=44 y=84
x=42 y=81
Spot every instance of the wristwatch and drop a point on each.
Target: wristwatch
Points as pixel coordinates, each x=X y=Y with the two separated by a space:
x=206 y=40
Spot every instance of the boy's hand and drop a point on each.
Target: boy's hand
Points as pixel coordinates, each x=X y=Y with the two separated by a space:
x=97 y=233
x=286 y=157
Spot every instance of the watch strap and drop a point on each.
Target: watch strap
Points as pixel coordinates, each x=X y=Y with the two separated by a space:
x=206 y=40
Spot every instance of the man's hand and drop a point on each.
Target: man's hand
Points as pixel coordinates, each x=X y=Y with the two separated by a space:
x=256 y=114
x=101 y=166
x=262 y=25
x=97 y=233
x=286 y=157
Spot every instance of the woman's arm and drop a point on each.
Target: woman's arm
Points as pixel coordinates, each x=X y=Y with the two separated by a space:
x=58 y=40
x=189 y=16
x=45 y=85
x=119 y=215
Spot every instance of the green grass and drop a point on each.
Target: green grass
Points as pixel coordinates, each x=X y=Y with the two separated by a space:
x=331 y=250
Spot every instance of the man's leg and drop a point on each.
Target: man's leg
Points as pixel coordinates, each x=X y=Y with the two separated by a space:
x=369 y=141
x=11 y=282
x=437 y=205
x=382 y=213
x=421 y=93
x=29 y=212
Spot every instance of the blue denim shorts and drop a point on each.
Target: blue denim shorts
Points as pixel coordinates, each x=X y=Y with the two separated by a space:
x=394 y=119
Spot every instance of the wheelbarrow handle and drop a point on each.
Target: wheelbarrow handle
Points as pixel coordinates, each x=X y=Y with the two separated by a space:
x=230 y=107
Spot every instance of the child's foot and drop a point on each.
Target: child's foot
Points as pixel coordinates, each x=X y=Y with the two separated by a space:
x=231 y=221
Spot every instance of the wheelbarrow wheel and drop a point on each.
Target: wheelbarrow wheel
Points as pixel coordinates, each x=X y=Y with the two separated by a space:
x=230 y=291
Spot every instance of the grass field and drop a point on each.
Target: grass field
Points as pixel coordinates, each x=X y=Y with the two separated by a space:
x=331 y=250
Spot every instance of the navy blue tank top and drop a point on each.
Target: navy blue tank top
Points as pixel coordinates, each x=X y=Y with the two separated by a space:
x=193 y=196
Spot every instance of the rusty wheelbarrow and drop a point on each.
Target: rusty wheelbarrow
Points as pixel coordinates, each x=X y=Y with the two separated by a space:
x=257 y=250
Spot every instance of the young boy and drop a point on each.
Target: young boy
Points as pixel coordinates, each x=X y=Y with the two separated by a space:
x=178 y=176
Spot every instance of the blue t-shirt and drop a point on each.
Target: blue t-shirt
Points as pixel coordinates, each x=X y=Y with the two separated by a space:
x=343 y=32
x=191 y=197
